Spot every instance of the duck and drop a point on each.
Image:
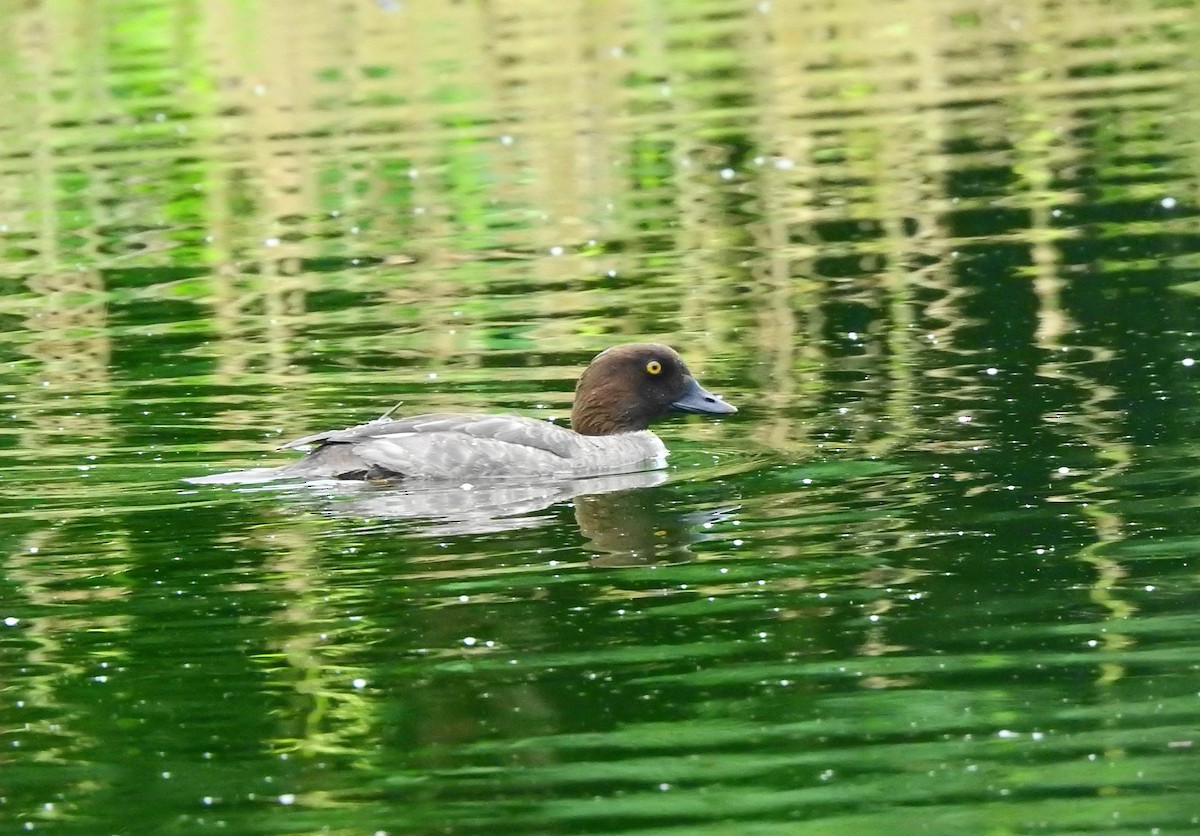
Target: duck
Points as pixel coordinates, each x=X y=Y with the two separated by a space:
x=621 y=392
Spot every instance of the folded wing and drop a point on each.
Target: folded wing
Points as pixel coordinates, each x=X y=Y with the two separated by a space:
x=444 y=446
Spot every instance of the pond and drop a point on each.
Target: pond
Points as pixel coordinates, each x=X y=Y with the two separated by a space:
x=940 y=573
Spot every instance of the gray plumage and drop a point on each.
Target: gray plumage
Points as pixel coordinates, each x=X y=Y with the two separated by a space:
x=456 y=447
x=621 y=391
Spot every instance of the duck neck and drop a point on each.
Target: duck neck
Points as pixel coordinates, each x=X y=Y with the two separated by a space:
x=597 y=421
x=595 y=413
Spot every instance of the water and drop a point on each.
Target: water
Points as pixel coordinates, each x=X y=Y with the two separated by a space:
x=937 y=575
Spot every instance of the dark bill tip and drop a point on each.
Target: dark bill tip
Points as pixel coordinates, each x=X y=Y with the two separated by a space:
x=698 y=399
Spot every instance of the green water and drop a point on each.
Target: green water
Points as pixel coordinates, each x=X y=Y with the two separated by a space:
x=939 y=574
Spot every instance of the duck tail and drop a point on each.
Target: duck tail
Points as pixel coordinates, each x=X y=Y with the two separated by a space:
x=253 y=476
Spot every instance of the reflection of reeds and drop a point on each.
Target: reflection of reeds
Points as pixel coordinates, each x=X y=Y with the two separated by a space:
x=315 y=671
x=63 y=426
x=685 y=150
x=543 y=179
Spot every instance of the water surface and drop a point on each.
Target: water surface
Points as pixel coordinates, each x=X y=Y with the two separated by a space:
x=937 y=575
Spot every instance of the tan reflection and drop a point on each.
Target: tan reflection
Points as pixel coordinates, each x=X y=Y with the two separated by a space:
x=896 y=155
x=63 y=415
x=66 y=433
x=328 y=706
x=1044 y=148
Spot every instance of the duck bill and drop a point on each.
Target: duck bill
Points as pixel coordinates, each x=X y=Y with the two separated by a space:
x=698 y=399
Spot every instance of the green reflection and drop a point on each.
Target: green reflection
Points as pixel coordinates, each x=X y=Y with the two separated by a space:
x=938 y=575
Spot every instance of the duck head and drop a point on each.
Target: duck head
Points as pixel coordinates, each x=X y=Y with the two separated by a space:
x=626 y=387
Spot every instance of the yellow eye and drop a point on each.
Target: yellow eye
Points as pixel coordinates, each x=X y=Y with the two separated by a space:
x=654 y=367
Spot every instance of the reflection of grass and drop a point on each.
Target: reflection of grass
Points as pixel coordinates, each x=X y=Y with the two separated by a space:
x=732 y=174
x=222 y=221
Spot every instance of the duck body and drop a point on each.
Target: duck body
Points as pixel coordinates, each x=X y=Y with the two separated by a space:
x=466 y=446
x=619 y=394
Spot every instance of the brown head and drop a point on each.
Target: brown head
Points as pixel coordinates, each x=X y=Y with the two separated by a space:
x=626 y=387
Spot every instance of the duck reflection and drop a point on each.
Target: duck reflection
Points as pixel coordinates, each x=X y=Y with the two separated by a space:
x=631 y=528
x=622 y=521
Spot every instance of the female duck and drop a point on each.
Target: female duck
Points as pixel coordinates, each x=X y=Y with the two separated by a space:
x=621 y=391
